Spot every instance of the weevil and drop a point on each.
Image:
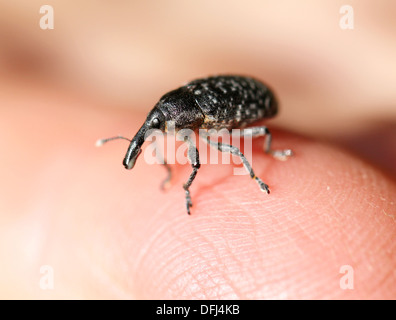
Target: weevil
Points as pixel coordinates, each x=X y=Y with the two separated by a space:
x=216 y=102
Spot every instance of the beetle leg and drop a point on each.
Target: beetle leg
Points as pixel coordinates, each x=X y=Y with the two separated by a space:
x=193 y=157
x=263 y=131
x=166 y=182
x=223 y=147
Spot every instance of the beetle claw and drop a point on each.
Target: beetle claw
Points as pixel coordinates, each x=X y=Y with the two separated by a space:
x=282 y=155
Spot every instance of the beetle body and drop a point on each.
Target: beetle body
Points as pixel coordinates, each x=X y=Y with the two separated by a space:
x=215 y=102
x=218 y=102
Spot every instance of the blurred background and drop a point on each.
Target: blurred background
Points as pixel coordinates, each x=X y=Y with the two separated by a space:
x=331 y=82
x=119 y=57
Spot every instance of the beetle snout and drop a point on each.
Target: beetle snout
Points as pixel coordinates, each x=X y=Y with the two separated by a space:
x=128 y=165
x=130 y=159
x=134 y=149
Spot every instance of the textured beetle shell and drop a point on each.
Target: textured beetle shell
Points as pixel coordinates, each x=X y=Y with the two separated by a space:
x=232 y=101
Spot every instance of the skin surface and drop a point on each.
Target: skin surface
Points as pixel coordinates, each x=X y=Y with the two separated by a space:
x=106 y=232
x=109 y=232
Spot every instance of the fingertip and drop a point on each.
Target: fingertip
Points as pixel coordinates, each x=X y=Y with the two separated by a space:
x=311 y=223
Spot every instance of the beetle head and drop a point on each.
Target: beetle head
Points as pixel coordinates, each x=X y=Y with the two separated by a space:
x=155 y=120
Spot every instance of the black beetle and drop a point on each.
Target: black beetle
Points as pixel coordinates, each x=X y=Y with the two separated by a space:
x=217 y=102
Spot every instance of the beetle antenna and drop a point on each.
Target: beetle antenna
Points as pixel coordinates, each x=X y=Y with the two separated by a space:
x=101 y=142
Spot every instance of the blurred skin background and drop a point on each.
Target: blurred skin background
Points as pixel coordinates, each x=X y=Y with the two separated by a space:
x=103 y=67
